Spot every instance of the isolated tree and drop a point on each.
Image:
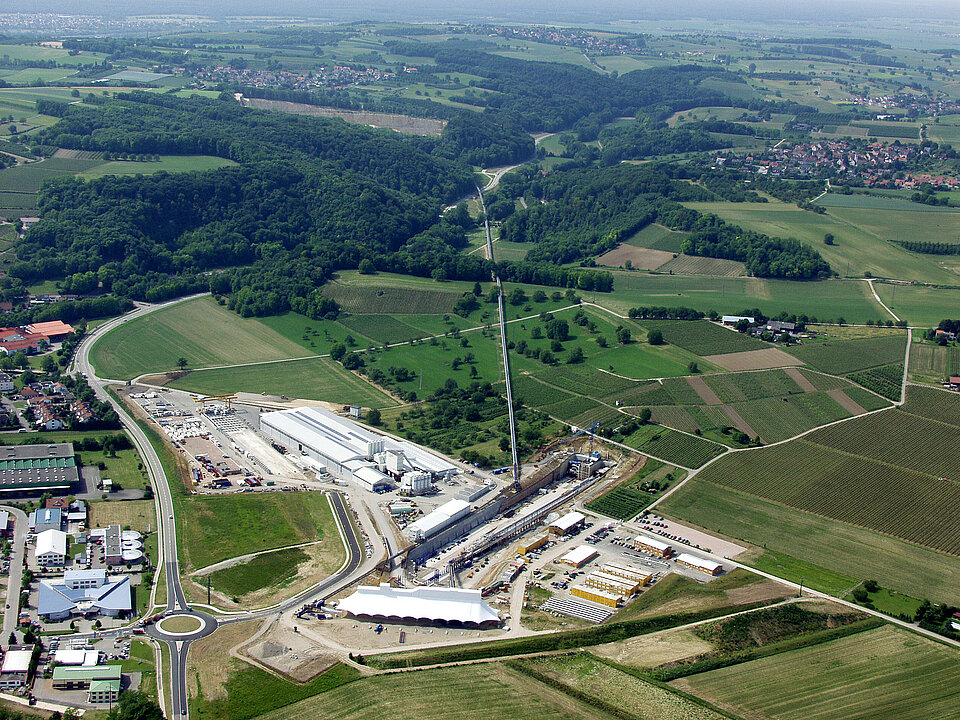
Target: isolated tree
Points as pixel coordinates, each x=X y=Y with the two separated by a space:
x=338 y=351
x=693 y=367
x=624 y=335
x=373 y=417
x=828 y=239
x=366 y=267
x=655 y=337
x=645 y=415
x=182 y=362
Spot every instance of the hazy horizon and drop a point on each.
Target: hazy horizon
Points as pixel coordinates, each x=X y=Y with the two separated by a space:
x=534 y=11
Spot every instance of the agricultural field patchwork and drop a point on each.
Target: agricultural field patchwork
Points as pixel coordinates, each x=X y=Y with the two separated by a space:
x=794 y=542
x=888 y=472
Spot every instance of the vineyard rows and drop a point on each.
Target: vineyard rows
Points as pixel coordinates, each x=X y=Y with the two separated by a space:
x=677 y=448
x=703 y=338
x=886 y=380
x=934 y=404
x=839 y=357
x=901 y=439
x=918 y=508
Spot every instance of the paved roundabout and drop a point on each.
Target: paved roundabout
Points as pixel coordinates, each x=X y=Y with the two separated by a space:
x=183 y=626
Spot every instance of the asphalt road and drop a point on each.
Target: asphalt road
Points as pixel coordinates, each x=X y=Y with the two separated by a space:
x=176 y=600
x=15 y=578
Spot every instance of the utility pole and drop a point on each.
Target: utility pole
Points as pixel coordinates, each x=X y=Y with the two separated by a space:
x=208 y=589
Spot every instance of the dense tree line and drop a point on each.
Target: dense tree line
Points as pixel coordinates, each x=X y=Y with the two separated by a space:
x=647 y=138
x=587 y=211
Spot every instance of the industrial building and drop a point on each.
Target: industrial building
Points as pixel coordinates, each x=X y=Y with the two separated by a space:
x=84 y=593
x=597 y=595
x=651 y=546
x=51 y=549
x=35 y=469
x=526 y=546
x=16 y=666
x=629 y=572
x=88 y=658
x=579 y=556
x=448 y=606
x=352 y=452
x=705 y=566
x=612 y=583
x=443 y=516
x=567 y=524
x=102 y=682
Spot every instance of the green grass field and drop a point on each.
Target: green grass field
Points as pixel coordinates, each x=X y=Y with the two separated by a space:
x=474 y=692
x=272 y=570
x=312 y=379
x=827 y=299
x=885 y=672
x=864 y=238
x=839 y=547
x=167 y=163
x=628 y=694
x=920 y=305
x=199 y=330
x=657 y=237
x=218 y=528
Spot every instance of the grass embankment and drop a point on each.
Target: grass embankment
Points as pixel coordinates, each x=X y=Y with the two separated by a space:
x=568 y=640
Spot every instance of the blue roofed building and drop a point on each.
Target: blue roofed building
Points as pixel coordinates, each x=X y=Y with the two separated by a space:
x=45 y=519
x=86 y=593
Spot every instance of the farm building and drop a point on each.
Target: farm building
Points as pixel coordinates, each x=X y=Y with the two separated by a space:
x=526 y=546
x=35 y=469
x=734 y=319
x=706 y=566
x=16 y=666
x=568 y=523
x=448 y=606
x=51 y=550
x=604 y=597
x=349 y=450
x=654 y=547
x=612 y=583
x=629 y=572
x=443 y=516
x=579 y=556
x=84 y=593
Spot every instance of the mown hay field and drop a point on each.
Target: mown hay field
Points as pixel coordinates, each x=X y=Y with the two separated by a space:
x=882 y=673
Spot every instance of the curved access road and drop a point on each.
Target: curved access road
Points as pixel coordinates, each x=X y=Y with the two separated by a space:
x=179 y=644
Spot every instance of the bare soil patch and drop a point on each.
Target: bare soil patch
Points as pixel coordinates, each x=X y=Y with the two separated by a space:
x=640 y=258
x=704 y=391
x=738 y=421
x=798 y=377
x=754 y=360
x=847 y=402
x=758 y=592
x=648 y=651
x=289 y=653
x=406 y=124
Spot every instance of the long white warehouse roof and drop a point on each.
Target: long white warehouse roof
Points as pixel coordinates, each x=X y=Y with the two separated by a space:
x=569 y=521
x=579 y=555
x=444 y=515
x=330 y=434
x=422 y=603
x=652 y=543
x=698 y=562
